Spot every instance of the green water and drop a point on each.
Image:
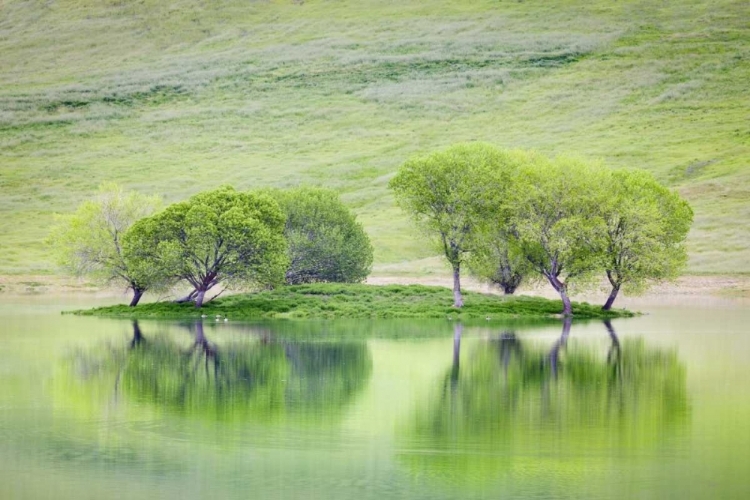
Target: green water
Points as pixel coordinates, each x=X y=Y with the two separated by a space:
x=653 y=407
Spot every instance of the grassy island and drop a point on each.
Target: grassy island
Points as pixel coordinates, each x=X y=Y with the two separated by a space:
x=339 y=301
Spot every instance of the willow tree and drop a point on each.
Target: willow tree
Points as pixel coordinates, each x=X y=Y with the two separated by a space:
x=326 y=243
x=89 y=241
x=220 y=236
x=449 y=192
x=646 y=229
x=557 y=219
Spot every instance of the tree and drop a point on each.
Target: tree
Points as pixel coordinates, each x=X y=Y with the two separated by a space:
x=326 y=243
x=220 y=236
x=557 y=219
x=646 y=229
x=89 y=242
x=495 y=259
x=448 y=192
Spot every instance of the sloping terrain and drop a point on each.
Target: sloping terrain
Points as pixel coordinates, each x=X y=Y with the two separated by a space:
x=177 y=98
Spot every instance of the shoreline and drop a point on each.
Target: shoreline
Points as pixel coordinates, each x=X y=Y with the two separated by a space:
x=708 y=290
x=358 y=301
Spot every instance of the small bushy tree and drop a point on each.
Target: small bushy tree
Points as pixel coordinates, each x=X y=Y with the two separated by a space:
x=89 y=242
x=220 y=236
x=326 y=243
x=646 y=229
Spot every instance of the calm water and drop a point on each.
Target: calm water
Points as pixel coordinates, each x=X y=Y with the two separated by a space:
x=651 y=407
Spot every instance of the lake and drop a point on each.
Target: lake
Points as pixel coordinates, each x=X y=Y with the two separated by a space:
x=656 y=406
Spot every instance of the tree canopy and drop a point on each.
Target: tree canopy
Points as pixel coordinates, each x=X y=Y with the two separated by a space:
x=646 y=229
x=495 y=259
x=89 y=241
x=515 y=215
x=220 y=236
x=326 y=243
x=557 y=219
x=449 y=192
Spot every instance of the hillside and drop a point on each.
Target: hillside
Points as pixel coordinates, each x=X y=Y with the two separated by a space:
x=177 y=98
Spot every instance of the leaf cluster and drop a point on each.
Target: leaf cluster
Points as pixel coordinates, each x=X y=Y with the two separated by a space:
x=216 y=236
x=451 y=192
x=326 y=243
x=646 y=229
x=89 y=241
x=516 y=214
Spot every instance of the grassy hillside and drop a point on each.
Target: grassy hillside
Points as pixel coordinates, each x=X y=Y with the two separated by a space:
x=177 y=98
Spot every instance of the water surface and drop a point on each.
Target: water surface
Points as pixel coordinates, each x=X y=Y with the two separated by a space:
x=650 y=407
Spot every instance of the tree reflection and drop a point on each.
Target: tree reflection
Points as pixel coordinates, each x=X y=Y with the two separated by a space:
x=514 y=399
x=252 y=377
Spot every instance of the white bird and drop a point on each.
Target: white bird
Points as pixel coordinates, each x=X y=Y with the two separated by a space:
x=217 y=319
x=487 y=318
x=204 y=316
x=226 y=319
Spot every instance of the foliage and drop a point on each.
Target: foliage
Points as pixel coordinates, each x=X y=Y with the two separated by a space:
x=557 y=219
x=495 y=258
x=326 y=243
x=449 y=192
x=646 y=229
x=331 y=300
x=89 y=242
x=220 y=236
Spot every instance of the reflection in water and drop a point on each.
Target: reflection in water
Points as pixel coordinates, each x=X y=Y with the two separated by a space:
x=514 y=400
x=248 y=378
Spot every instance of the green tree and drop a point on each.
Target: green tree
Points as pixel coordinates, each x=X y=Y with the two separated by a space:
x=89 y=241
x=557 y=219
x=495 y=259
x=326 y=243
x=646 y=229
x=448 y=192
x=220 y=236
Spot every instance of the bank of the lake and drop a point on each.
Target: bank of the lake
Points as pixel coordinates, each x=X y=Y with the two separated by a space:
x=338 y=301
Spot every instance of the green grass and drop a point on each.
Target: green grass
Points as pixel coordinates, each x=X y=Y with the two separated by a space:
x=177 y=97
x=346 y=301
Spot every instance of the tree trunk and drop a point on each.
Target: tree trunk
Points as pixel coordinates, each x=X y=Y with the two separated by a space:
x=562 y=289
x=199 y=298
x=137 y=294
x=567 y=308
x=188 y=298
x=612 y=296
x=458 y=300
